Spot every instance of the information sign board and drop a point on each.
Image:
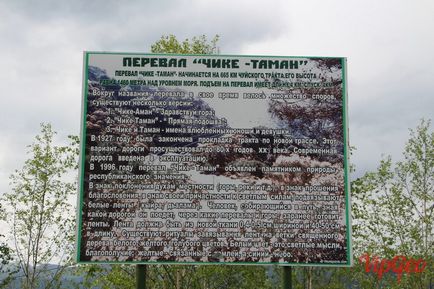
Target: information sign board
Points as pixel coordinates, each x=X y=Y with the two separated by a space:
x=214 y=158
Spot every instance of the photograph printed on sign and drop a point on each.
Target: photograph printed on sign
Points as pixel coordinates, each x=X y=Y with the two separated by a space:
x=214 y=159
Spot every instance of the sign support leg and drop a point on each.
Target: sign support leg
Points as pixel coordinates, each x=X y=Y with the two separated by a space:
x=287 y=277
x=141 y=276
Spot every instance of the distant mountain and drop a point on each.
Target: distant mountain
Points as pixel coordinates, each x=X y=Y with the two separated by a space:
x=96 y=73
x=68 y=280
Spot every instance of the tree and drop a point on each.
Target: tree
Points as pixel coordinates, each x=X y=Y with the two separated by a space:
x=5 y=251
x=5 y=255
x=197 y=45
x=5 y=258
x=39 y=212
x=393 y=207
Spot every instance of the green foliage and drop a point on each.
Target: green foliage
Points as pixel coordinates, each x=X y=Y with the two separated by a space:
x=197 y=45
x=233 y=277
x=107 y=276
x=178 y=277
x=393 y=207
x=5 y=251
x=5 y=258
x=38 y=210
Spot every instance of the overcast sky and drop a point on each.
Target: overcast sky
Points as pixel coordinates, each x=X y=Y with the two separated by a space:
x=389 y=46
